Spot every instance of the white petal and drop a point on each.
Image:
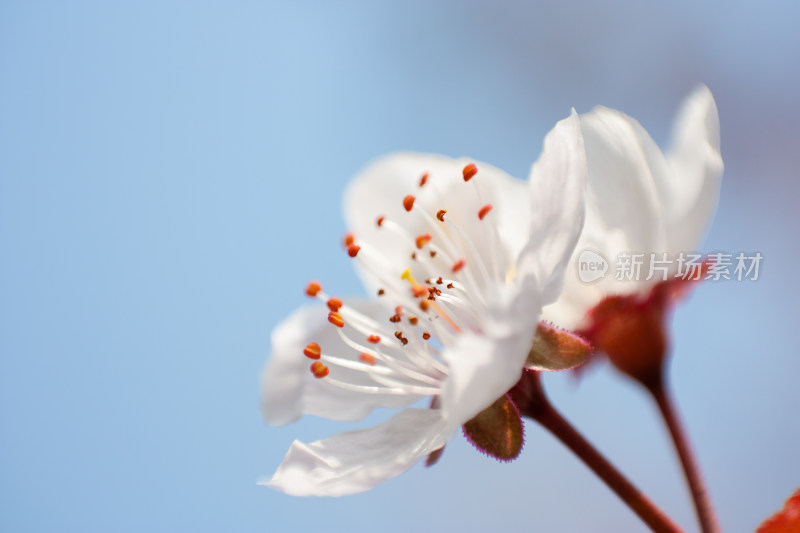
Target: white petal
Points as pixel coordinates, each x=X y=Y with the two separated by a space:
x=484 y=367
x=481 y=368
x=623 y=207
x=690 y=197
x=357 y=461
x=623 y=211
x=380 y=188
x=557 y=188
x=289 y=390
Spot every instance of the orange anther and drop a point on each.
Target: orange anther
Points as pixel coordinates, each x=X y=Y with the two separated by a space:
x=349 y=239
x=334 y=304
x=394 y=319
x=422 y=240
x=424 y=305
x=367 y=358
x=380 y=220
x=426 y=335
x=312 y=351
x=423 y=180
x=381 y=292
x=399 y=310
x=440 y=214
x=433 y=253
x=319 y=370
x=353 y=249
x=470 y=171
x=413 y=320
x=408 y=202
x=450 y=286
x=484 y=211
x=439 y=280
x=374 y=339
x=313 y=288
x=398 y=334
x=336 y=319
x=459 y=265
x=419 y=291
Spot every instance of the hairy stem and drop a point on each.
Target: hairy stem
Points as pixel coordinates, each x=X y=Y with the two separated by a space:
x=532 y=402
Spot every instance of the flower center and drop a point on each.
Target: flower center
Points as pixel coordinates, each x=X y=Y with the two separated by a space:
x=403 y=354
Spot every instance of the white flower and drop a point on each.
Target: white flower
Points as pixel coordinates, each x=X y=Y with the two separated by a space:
x=640 y=200
x=463 y=258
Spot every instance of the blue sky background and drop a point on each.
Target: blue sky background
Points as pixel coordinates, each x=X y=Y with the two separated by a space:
x=170 y=175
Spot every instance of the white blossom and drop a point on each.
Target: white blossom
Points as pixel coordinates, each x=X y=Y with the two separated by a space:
x=640 y=200
x=464 y=257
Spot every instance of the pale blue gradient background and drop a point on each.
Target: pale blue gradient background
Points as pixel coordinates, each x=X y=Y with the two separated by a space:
x=170 y=176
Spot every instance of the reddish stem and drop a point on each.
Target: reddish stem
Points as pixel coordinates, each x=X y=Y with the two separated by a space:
x=532 y=402
x=700 y=494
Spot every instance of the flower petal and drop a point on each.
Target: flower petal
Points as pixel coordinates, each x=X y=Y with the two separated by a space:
x=483 y=367
x=690 y=196
x=289 y=390
x=623 y=210
x=357 y=461
x=557 y=187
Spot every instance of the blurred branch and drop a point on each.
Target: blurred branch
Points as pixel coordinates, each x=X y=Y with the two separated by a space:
x=700 y=494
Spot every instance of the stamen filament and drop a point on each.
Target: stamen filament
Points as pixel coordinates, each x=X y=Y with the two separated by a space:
x=357 y=365
x=398 y=391
x=473 y=250
x=389 y=361
x=452 y=251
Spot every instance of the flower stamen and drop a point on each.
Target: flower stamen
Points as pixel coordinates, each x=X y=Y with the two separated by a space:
x=336 y=319
x=334 y=304
x=313 y=288
x=469 y=171
x=312 y=351
x=319 y=370
x=422 y=240
x=417 y=288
